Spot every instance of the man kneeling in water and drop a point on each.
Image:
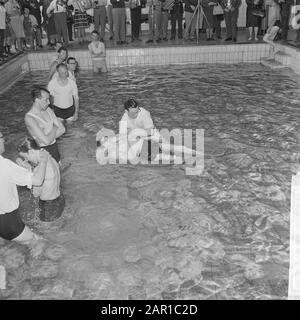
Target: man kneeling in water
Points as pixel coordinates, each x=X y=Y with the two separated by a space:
x=51 y=201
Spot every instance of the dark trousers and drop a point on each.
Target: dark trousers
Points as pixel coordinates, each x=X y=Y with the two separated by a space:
x=1 y=41
x=231 y=23
x=100 y=20
x=285 y=18
x=176 y=15
x=70 y=30
x=217 y=25
x=135 y=22
x=60 y=20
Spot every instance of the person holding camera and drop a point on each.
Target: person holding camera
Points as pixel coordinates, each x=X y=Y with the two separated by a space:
x=100 y=17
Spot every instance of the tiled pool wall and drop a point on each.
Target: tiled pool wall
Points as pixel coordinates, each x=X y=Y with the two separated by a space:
x=12 y=71
x=152 y=56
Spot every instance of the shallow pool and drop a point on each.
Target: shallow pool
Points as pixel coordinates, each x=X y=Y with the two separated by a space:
x=142 y=232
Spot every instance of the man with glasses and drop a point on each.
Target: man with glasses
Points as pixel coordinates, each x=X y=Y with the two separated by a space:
x=11 y=175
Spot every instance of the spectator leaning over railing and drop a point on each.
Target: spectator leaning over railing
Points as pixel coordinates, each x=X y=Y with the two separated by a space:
x=231 y=13
x=285 y=11
x=190 y=19
x=100 y=16
x=58 y=9
x=119 y=18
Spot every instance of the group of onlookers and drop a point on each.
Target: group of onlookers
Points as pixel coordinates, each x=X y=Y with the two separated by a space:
x=21 y=21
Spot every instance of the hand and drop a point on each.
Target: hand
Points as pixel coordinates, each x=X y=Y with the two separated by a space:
x=75 y=117
x=23 y=163
x=44 y=155
x=212 y=4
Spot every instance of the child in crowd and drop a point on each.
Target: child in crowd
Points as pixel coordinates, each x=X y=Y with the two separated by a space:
x=51 y=201
x=30 y=25
x=97 y=50
x=270 y=36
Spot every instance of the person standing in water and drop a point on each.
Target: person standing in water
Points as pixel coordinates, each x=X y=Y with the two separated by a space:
x=12 y=175
x=51 y=201
x=42 y=123
x=97 y=51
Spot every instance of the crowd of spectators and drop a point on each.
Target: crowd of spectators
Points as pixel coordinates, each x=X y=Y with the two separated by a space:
x=23 y=22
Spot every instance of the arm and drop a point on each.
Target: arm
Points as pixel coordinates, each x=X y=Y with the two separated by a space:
x=37 y=133
x=38 y=174
x=24 y=177
x=51 y=7
x=60 y=127
x=76 y=100
x=52 y=70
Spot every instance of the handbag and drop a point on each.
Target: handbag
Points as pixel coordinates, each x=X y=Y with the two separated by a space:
x=217 y=10
x=261 y=13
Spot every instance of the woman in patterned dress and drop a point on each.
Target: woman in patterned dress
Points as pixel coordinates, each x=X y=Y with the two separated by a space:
x=80 y=18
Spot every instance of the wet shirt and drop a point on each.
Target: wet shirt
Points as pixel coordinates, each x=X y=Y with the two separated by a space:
x=63 y=95
x=142 y=121
x=50 y=188
x=11 y=175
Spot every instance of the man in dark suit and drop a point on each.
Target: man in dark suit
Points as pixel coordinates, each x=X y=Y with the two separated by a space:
x=231 y=13
x=285 y=11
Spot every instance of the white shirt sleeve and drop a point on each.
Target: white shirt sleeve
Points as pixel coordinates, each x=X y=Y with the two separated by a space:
x=147 y=120
x=51 y=6
x=18 y=175
x=123 y=124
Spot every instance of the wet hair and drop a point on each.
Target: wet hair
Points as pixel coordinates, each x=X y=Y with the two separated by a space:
x=62 y=49
x=130 y=103
x=95 y=32
x=70 y=58
x=27 y=144
x=37 y=92
x=61 y=65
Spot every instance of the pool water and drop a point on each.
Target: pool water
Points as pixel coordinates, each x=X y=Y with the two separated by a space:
x=152 y=232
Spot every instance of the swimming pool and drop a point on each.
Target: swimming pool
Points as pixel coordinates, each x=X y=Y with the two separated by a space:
x=142 y=232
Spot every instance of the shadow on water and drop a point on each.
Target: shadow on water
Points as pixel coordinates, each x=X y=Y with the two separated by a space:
x=151 y=232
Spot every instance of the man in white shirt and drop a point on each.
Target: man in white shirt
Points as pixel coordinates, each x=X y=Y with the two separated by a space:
x=65 y=95
x=58 y=8
x=11 y=175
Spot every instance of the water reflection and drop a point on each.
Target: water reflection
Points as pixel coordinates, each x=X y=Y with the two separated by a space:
x=142 y=232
